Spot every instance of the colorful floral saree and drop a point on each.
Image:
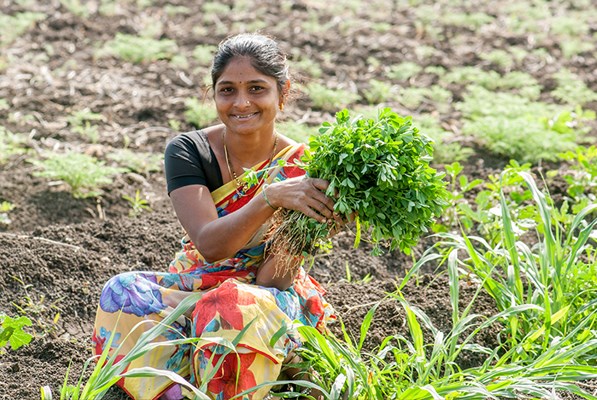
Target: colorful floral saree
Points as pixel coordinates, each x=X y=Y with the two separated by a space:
x=230 y=302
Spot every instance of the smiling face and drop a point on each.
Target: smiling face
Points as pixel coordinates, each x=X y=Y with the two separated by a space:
x=246 y=99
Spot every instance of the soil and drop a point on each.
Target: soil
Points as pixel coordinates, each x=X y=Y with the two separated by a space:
x=58 y=251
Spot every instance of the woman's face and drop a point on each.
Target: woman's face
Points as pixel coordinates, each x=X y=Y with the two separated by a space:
x=247 y=100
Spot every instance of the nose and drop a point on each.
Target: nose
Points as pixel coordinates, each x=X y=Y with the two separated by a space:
x=242 y=101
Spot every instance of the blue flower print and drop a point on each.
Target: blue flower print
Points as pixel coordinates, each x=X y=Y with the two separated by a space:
x=106 y=334
x=132 y=292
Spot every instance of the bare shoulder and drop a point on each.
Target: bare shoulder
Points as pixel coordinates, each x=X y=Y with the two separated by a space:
x=286 y=141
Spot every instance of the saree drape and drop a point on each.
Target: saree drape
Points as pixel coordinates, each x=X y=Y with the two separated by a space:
x=229 y=301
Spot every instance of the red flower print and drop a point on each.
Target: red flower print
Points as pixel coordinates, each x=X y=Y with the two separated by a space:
x=314 y=306
x=225 y=301
x=225 y=380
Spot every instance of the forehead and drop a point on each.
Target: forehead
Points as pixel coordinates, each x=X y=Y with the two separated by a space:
x=240 y=70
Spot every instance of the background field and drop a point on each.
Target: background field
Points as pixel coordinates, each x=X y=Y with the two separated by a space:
x=105 y=84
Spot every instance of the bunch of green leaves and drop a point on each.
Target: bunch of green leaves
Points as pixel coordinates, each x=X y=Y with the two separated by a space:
x=11 y=332
x=378 y=171
x=85 y=175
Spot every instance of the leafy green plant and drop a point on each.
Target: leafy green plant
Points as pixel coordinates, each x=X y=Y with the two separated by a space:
x=582 y=175
x=573 y=46
x=11 y=332
x=13 y=26
x=204 y=54
x=499 y=57
x=471 y=21
x=138 y=49
x=542 y=130
x=459 y=213
x=172 y=10
x=43 y=314
x=142 y=163
x=85 y=175
x=379 y=172
x=306 y=65
x=378 y=92
x=80 y=121
x=404 y=71
x=11 y=144
x=138 y=204
x=519 y=82
x=5 y=207
x=571 y=89
x=413 y=97
x=446 y=147
x=200 y=113
x=409 y=368
x=327 y=99
x=76 y=7
x=536 y=278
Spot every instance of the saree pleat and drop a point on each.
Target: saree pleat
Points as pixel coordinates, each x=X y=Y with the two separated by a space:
x=230 y=302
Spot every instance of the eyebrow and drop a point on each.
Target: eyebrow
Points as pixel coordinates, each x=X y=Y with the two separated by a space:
x=249 y=82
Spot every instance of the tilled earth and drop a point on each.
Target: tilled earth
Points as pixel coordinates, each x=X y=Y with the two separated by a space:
x=58 y=251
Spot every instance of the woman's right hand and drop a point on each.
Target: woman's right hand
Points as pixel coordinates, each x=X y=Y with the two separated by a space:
x=303 y=194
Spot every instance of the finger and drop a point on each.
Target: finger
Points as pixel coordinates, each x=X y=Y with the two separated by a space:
x=312 y=212
x=321 y=209
x=319 y=184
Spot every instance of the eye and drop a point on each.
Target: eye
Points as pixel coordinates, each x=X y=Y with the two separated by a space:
x=257 y=88
x=225 y=90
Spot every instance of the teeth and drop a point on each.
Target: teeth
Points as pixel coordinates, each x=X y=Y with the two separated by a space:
x=244 y=116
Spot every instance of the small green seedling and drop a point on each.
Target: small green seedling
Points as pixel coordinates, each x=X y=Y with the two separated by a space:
x=11 y=332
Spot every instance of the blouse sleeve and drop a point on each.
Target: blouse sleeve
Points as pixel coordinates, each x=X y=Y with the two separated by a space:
x=185 y=161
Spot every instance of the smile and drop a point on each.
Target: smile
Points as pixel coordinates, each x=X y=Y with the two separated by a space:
x=247 y=116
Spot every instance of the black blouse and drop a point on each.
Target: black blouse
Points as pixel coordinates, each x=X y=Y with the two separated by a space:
x=189 y=160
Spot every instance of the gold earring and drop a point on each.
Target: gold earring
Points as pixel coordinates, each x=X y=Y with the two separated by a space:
x=281 y=106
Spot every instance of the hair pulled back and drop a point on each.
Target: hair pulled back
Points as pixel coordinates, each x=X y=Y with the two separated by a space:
x=264 y=53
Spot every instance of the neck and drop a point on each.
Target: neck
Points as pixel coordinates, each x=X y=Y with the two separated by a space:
x=244 y=151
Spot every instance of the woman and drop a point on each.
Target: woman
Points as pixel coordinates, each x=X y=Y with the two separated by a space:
x=224 y=254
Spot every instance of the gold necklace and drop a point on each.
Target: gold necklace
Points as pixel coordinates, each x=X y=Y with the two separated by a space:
x=240 y=187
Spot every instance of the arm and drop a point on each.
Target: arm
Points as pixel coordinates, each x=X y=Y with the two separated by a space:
x=197 y=213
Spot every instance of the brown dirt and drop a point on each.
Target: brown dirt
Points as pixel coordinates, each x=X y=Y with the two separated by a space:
x=58 y=251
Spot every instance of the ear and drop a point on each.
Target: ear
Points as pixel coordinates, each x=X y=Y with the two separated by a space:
x=285 y=92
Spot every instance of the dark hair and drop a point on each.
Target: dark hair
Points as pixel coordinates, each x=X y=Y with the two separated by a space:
x=263 y=51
